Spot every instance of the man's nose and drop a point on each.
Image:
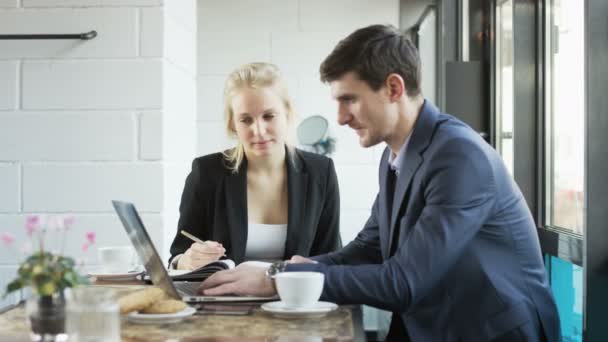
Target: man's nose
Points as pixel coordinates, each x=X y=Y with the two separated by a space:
x=344 y=116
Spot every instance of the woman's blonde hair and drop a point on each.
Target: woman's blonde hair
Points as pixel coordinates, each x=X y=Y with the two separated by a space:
x=252 y=75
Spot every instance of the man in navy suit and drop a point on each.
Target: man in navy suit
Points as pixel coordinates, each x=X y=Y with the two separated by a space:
x=450 y=247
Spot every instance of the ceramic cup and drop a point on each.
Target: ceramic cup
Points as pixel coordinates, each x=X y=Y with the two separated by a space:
x=299 y=289
x=116 y=259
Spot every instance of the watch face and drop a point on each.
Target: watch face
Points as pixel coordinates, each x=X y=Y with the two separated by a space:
x=275 y=267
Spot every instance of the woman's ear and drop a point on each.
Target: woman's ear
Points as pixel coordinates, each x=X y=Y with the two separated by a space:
x=396 y=86
x=231 y=126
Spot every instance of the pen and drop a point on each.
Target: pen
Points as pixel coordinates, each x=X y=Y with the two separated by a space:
x=193 y=238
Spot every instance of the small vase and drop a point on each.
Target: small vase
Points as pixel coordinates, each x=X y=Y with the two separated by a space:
x=46 y=317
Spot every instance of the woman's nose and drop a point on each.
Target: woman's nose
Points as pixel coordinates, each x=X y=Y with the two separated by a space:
x=259 y=127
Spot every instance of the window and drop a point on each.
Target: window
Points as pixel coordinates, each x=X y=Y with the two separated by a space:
x=504 y=82
x=565 y=119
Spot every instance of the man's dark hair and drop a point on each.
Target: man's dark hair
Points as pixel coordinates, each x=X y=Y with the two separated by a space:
x=373 y=53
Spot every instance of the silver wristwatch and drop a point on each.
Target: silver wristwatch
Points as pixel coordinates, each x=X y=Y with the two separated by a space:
x=275 y=268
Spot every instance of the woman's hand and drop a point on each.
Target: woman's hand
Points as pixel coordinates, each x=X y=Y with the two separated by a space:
x=200 y=254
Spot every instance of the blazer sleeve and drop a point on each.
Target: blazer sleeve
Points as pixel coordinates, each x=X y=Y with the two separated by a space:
x=459 y=196
x=191 y=213
x=364 y=249
x=327 y=237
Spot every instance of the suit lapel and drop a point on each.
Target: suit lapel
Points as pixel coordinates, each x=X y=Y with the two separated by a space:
x=236 y=212
x=409 y=167
x=420 y=138
x=297 y=185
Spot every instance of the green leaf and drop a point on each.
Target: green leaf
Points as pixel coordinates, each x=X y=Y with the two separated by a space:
x=25 y=270
x=13 y=286
x=66 y=263
x=71 y=278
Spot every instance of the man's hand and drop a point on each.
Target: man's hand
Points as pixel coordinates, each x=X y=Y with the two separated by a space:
x=244 y=280
x=296 y=259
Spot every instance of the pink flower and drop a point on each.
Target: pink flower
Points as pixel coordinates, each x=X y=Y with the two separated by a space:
x=7 y=239
x=68 y=221
x=31 y=224
x=91 y=237
x=85 y=246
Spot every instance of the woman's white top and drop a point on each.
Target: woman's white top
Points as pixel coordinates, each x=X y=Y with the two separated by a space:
x=266 y=242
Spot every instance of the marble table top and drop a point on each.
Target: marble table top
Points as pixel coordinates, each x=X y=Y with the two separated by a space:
x=344 y=324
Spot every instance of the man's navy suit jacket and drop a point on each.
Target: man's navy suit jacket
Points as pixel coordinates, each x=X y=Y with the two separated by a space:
x=467 y=265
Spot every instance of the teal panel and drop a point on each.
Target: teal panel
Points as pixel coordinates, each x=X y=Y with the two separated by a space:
x=567 y=285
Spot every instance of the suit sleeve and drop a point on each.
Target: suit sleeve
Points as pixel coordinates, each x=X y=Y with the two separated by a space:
x=327 y=236
x=364 y=249
x=191 y=211
x=459 y=196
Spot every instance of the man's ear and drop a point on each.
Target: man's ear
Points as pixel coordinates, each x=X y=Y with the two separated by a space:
x=396 y=86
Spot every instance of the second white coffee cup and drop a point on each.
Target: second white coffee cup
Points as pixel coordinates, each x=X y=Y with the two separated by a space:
x=116 y=259
x=299 y=289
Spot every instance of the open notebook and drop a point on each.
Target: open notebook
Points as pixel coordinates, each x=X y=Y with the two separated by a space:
x=200 y=273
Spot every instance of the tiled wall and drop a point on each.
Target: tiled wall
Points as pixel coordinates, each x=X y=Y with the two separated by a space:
x=82 y=122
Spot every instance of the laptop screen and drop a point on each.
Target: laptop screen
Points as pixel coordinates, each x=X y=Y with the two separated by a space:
x=144 y=247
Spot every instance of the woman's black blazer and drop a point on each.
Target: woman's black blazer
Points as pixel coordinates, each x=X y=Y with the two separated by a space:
x=214 y=206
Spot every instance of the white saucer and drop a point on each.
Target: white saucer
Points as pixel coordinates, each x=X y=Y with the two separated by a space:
x=120 y=276
x=279 y=309
x=142 y=318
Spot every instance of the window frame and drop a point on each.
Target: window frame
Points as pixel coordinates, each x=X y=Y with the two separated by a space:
x=529 y=131
x=595 y=271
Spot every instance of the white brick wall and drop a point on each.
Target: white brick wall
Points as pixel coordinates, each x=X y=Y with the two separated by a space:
x=151 y=136
x=89 y=3
x=91 y=187
x=248 y=16
x=219 y=52
x=151 y=44
x=320 y=15
x=85 y=122
x=179 y=105
x=9 y=3
x=67 y=136
x=8 y=84
x=92 y=84
x=9 y=183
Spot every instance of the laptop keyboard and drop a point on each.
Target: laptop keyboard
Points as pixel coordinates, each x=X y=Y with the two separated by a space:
x=187 y=288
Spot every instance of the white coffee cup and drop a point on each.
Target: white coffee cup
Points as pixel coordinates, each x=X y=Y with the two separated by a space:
x=299 y=289
x=116 y=259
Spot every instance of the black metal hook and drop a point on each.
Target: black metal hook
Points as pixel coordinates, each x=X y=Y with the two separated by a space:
x=82 y=36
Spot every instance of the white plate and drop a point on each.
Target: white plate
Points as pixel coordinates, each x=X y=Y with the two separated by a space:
x=142 y=318
x=100 y=275
x=279 y=309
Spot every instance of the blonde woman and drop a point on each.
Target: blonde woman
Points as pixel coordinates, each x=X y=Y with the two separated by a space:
x=263 y=199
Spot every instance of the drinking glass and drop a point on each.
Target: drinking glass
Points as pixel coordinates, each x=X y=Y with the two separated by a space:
x=92 y=315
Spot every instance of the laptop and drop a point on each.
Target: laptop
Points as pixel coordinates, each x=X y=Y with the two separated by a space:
x=185 y=290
